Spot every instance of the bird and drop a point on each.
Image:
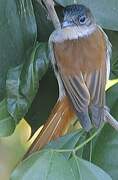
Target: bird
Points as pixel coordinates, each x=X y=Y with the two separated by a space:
x=80 y=54
x=81 y=62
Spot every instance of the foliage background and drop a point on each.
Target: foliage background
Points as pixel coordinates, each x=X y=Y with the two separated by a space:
x=29 y=89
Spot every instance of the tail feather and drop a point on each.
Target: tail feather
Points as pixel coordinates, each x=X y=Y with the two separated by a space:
x=56 y=125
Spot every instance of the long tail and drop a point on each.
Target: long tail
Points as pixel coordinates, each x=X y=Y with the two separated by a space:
x=56 y=125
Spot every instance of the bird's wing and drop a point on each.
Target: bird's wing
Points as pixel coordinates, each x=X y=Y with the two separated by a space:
x=96 y=83
x=88 y=89
x=78 y=93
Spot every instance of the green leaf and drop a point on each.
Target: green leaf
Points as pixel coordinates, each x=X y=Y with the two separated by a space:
x=44 y=25
x=68 y=141
x=105 y=151
x=106 y=145
x=17 y=35
x=7 y=123
x=84 y=170
x=51 y=165
x=112 y=100
x=106 y=12
x=42 y=165
x=22 y=81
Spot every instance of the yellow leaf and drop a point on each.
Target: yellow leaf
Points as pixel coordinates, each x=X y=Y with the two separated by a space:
x=111 y=83
x=13 y=148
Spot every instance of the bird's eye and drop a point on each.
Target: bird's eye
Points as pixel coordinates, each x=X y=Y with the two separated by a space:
x=82 y=19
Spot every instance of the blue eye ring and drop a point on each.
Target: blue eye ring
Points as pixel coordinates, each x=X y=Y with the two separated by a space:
x=82 y=19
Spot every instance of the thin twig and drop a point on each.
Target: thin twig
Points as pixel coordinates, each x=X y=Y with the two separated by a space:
x=50 y=7
x=111 y=120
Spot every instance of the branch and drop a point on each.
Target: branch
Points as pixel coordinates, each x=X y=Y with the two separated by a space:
x=50 y=7
x=109 y=119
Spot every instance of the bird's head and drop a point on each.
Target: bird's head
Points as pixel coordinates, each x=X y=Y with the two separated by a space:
x=77 y=22
x=77 y=15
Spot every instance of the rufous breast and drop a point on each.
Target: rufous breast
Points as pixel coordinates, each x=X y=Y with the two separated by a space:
x=84 y=54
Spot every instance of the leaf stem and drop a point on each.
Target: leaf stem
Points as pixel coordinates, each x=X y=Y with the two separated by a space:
x=82 y=144
x=88 y=140
x=63 y=150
